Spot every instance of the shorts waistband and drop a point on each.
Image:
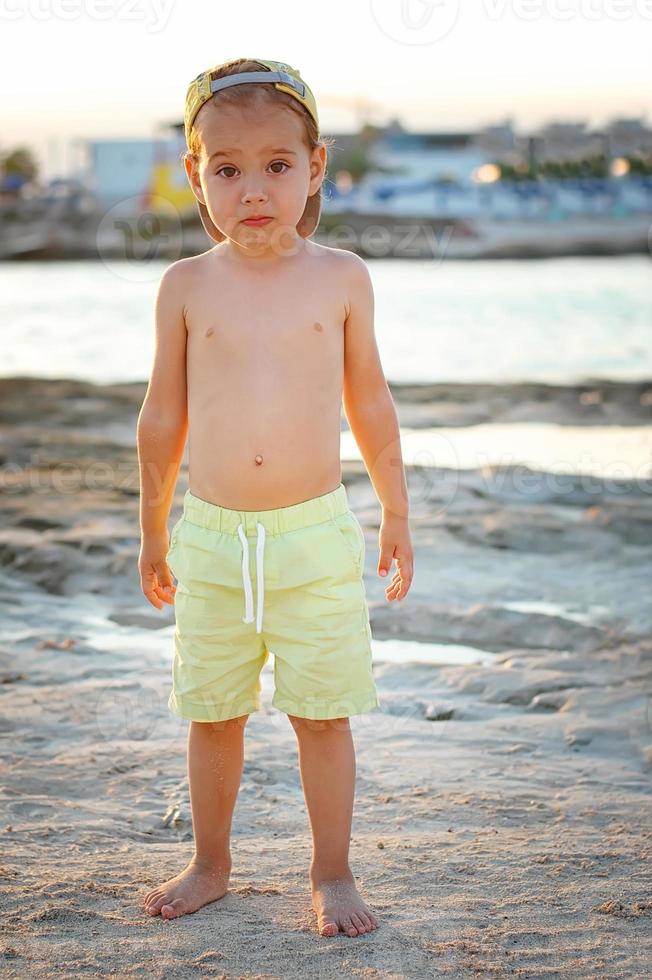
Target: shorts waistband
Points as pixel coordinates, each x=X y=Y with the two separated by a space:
x=275 y=521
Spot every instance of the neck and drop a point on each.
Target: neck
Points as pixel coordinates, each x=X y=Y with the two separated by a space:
x=266 y=253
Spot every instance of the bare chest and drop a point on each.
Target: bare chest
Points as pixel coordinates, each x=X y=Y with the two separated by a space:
x=276 y=334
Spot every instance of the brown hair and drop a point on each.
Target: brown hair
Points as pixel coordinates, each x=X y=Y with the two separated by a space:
x=245 y=96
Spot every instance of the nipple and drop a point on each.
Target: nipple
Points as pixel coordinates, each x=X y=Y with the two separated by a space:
x=259 y=459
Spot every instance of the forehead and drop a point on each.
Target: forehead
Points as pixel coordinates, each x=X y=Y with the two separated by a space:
x=249 y=130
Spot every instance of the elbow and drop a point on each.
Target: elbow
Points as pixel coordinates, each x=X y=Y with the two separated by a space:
x=380 y=403
x=157 y=425
x=371 y=415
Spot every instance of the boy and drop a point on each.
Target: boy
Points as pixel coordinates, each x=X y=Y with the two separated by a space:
x=257 y=342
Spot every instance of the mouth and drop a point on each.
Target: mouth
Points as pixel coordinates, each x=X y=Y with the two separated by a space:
x=256 y=221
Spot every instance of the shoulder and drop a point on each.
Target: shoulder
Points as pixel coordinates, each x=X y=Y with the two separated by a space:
x=343 y=259
x=350 y=270
x=178 y=275
x=180 y=280
x=356 y=282
x=354 y=271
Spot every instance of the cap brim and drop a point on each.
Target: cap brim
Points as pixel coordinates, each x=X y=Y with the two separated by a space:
x=307 y=223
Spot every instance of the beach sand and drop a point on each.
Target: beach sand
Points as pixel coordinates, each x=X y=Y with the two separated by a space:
x=502 y=824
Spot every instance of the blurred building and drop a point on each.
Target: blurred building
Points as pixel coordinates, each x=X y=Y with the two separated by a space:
x=630 y=137
x=116 y=171
x=443 y=156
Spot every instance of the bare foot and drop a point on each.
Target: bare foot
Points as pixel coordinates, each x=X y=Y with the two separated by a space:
x=195 y=886
x=339 y=907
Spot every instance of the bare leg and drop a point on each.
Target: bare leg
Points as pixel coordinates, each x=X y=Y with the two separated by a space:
x=327 y=763
x=215 y=759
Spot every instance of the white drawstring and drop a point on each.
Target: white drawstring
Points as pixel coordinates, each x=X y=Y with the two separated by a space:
x=260 y=580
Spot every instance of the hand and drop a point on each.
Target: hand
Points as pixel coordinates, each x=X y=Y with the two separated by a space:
x=395 y=542
x=155 y=578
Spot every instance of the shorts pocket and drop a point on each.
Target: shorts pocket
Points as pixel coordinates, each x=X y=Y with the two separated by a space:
x=352 y=536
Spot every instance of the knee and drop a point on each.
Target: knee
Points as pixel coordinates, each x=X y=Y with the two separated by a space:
x=309 y=725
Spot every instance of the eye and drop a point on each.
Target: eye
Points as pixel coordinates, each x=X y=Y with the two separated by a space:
x=275 y=163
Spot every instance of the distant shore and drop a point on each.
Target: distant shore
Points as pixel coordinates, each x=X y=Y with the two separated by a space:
x=382 y=235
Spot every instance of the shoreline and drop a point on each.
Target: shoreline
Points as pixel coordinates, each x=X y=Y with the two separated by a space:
x=584 y=401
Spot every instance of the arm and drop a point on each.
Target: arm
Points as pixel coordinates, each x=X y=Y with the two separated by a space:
x=373 y=420
x=161 y=435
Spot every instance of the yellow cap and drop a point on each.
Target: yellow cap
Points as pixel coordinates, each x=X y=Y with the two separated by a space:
x=282 y=76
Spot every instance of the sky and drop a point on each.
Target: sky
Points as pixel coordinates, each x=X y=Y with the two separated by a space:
x=89 y=69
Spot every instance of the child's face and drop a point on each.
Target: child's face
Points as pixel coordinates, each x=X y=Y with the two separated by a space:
x=255 y=162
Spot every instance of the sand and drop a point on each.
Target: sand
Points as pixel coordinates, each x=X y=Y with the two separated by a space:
x=502 y=824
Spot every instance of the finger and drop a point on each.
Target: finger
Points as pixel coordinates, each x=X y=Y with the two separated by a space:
x=392 y=590
x=165 y=587
x=405 y=570
x=167 y=597
x=399 y=589
x=152 y=597
x=164 y=577
x=405 y=586
x=384 y=563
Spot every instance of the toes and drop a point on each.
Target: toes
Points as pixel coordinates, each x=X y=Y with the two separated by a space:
x=348 y=927
x=366 y=921
x=173 y=909
x=329 y=929
x=155 y=907
x=358 y=923
x=152 y=896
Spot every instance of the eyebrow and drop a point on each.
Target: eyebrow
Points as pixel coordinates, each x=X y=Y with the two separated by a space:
x=229 y=153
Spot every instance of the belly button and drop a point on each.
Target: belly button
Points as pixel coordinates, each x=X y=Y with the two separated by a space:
x=317 y=326
x=259 y=459
x=209 y=332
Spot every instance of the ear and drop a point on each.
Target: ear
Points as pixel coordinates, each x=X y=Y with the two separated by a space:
x=192 y=173
x=317 y=168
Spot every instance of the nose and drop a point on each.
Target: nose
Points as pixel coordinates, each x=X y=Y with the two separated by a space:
x=253 y=194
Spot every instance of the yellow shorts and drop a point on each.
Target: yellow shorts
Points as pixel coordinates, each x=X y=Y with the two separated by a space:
x=304 y=565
